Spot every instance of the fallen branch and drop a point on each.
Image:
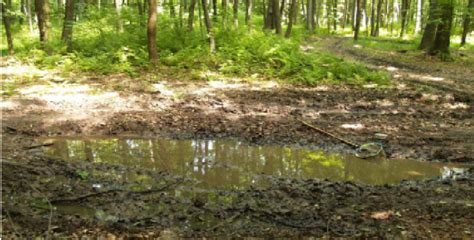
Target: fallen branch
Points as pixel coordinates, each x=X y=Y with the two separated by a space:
x=96 y=194
x=330 y=134
x=39 y=145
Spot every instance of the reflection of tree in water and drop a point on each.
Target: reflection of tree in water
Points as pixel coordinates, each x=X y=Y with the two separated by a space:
x=227 y=163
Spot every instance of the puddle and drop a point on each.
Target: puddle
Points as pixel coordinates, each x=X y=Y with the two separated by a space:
x=230 y=164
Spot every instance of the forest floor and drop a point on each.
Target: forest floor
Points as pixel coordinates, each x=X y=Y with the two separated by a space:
x=426 y=113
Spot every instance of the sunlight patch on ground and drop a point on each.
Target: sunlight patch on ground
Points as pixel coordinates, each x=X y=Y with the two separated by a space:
x=22 y=70
x=163 y=89
x=458 y=105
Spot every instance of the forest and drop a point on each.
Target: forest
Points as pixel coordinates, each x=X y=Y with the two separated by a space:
x=254 y=119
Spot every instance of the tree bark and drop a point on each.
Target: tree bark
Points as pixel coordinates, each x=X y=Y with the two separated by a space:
x=214 y=6
x=293 y=12
x=404 y=16
x=224 y=13
x=269 y=23
x=151 y=32
x=419 y=12
x=248 y=14
x=192 y=5
x=277 y=17
x=334 y=13
x=379 y=18
x=309 y=16
x=118 y=11
x=443 y=33
x=207 y=21
x=6 y=15
x=236 y=13
x=358 y=19
x=431 y=26
x=42 y=12
x=66 y=36
x=467 y=22
x=372 y=19
x=29 y=15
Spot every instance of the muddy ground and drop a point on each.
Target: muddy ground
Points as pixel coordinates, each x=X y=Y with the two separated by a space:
x=423 y=121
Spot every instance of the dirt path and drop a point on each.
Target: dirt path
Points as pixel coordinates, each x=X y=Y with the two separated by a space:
x=420 y=123
x=411 y=67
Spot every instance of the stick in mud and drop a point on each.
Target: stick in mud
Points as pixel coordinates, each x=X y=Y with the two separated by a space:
x=329 y=134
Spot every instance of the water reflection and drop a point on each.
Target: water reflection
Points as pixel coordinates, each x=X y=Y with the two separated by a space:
x=231 y=164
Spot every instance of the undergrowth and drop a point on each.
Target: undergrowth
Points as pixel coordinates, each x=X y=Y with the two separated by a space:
x=98 y=48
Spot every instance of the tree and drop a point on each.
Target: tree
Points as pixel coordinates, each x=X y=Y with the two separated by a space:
x=277 y=17
x=151 y=32
x=207 y=21
x=309 y=16
x=42 y=13
x=467 y=21
x=431 y=26
x=118 y=11
x=6 y=11
x=358 y=19
x=443 y=33
x=419 y=12
x=236 y=13
x=248 y=14
x=404 y=16
x=191 y=15
x=68 y=24
x=292 y=16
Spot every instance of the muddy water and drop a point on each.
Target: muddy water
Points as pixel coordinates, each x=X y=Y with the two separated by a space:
x=225 y=163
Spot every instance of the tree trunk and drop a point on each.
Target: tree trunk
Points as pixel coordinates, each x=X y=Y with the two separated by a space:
x=29 y=15
x=372 y=19
x=151 y=32
x=404 y=14
x=467 y=21
x=214 y=6
x=334 y=13
x=224 y=13
x=236 y=13
x=293 y=12
x=192 y=5
x=277 y=17
x=282 y=7
x=358 y=19
x=379 y=18
x=6 y=12
x=443 y=33
x=269 y=23
x=118 y=11
x=207 y=21
x=419 y=9
x=68 y=24
x=431 y=26
x=309 y=16
x=42 y=12
x=344 y=14
x=248 y=14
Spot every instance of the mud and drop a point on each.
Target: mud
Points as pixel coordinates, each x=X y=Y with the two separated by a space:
x=54 y=198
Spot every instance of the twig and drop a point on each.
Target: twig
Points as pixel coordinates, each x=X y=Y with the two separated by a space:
x=330 y=134
x=39 y=145
x=76 y=199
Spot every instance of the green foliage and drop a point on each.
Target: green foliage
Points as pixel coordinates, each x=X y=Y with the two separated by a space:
x=99 y=48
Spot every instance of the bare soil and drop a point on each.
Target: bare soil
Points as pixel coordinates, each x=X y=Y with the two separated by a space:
x=421 y=121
